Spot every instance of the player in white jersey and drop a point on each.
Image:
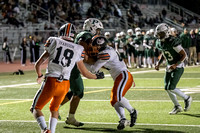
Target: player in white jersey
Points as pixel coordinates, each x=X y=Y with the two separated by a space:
x=62 y=55
x=123 y=80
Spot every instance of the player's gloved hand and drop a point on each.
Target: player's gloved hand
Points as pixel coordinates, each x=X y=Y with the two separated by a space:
x=100 y=75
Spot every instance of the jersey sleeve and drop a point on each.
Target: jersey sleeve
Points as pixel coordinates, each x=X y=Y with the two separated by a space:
x=103 y=57
x=50 y=44
x=81 y=54
x=176 y=41
x=178 y=48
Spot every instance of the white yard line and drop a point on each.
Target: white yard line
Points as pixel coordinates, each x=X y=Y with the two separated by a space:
x=85 y=100
x=108 y=123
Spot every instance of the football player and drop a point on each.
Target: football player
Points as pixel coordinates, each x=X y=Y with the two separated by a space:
x=149 y=43
x=138 y=44
x=123 y=80
x=62 y=55
x=175 y=55
x=131 y=50
x=91 y=27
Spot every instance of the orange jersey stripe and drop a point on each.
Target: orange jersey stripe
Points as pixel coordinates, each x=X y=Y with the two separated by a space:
x=68 y=29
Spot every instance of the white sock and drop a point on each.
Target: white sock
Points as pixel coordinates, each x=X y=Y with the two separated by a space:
x=41 y=122
x=129 y=60
x=125 y=103
x=52 y=124
x=173 y=97
x=180 y=93
x=119 y=110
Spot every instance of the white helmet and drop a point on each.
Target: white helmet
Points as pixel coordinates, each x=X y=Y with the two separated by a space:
x=151 y=31
x=138 y=33
x=118 y=35
x=122 y=33
x=92 y=24
x=130 y=31
x=67 y=31
x=137 y=29
x=107 y=34
x=148 y=33
x=162 y=31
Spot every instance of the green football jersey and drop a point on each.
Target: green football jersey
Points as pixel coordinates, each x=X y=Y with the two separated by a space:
x=167 y=48
x=139 y=41
x=85 y=36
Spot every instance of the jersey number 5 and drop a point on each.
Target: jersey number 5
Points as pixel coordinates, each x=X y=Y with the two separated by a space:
x=65 y=59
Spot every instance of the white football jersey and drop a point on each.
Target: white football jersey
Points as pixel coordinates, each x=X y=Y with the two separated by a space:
x=62 y=57
x=110 y=59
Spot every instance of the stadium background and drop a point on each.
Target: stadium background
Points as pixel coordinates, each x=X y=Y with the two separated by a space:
x=42 y=18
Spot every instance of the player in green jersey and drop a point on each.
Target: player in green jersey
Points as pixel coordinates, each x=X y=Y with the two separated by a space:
x=175 y=55
x=91 y=27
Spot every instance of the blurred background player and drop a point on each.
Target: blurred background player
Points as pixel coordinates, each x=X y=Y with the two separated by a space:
x=138 y=44
x=123 y=80
x=120 y=46
x=175 y=55
x=91 y=27
x=62 y=55
x=109 y=38
x=130 y=49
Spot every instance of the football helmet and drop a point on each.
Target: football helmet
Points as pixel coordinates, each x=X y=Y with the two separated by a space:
x=122 y=33
x=173 y=31
x=138 y=34
x=162 y=31
x=107 y=34
x=67 y=31
x=137 y=29
x=100 y=42
x=92 y=24
x=151 y=31
x=130 y=32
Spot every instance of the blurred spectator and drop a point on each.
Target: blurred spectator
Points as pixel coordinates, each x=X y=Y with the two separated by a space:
x=164 y=12
x=12 y=20
x=117 y=11
x=33 y=17
x=52 y=12
x=198 y=45
x=37 y=45
x=105 y=20
x=5 y=48
x=192 y=49
x=186 y=42
x=32 y=49
x=23 y=46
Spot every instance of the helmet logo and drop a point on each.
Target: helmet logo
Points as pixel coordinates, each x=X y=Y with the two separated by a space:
x=100 y=41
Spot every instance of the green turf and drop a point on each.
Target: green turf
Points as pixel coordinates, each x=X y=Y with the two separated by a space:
x=148 y=97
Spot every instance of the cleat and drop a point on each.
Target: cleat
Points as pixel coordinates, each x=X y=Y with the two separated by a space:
x=133 y=118
x=187 y=103
x=74 y=122
x=123 y=123
x=176 y=109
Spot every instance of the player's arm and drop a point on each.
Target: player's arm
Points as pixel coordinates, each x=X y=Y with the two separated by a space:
x=159 y=62
x=84 y=71
x=40 y=61
x=145 y=44
x=182 y=54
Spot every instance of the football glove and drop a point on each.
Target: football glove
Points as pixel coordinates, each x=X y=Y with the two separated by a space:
x=100 y=75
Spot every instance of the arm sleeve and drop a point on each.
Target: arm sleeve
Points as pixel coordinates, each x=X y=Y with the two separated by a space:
x=178 y=48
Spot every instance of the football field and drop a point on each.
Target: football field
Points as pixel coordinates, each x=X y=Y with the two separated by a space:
x=95 y=110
